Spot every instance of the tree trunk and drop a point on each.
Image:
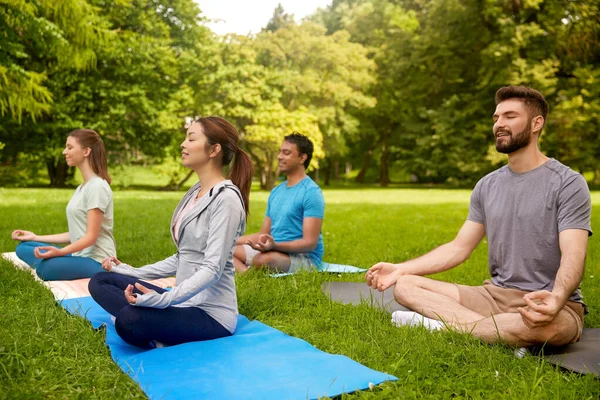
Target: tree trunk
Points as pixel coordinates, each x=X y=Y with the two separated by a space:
x=58 y=172
x=597 y=176
x=336 y=170
x=360 y=178
x=269 y=176
x=327 y=171
x=177 y=185
x=384 y=172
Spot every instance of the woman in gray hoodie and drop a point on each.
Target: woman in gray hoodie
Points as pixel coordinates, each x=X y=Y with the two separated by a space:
x=205 y=227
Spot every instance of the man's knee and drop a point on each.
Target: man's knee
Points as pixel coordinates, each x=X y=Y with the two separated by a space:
x=404 y=287
x=239 y=252
x=262 y=259
x=563 y=330
x=409 y=286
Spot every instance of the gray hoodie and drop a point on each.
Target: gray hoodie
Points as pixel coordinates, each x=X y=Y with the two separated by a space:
x=203 y=265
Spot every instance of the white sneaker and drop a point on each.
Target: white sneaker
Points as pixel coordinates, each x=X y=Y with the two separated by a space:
x=411 y=318
x=521 y=352
x=159 y=345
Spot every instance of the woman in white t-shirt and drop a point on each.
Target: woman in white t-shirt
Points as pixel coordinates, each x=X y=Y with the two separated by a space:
x=89 y=215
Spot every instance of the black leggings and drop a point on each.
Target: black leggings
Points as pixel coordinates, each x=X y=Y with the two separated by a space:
x=139 y=326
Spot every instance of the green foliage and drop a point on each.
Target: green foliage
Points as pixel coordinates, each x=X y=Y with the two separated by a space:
x=405 y=84
x=439 y=64
x=135 y=97
x=279 y=19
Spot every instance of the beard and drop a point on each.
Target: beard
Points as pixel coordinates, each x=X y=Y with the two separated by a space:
x=514 y=142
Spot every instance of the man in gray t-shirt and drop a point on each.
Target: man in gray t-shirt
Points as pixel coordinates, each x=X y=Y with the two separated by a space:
x=536 y=214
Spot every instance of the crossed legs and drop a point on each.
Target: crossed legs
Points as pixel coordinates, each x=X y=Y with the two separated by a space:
x=139 y=326
x=442 y=301
x=273 y=260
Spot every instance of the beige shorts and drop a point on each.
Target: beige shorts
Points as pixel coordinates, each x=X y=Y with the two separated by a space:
x=298 y=261
x=490 y=299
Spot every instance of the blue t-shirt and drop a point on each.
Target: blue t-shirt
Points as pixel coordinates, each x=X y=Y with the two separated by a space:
x=288 y=206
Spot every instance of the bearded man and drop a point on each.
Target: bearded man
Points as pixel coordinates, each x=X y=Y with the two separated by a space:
x=536 y=214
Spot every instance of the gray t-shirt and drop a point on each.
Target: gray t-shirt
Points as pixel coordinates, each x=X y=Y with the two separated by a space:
x=523 y=215
x=95 y=193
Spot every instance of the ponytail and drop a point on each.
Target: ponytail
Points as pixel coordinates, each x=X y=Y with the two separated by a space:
x=219 y=130
x=241 y=175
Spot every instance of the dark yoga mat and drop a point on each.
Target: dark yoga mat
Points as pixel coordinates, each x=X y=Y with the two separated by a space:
x=582 y=357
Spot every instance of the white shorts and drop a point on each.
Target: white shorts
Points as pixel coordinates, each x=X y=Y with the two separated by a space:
x=298 y=261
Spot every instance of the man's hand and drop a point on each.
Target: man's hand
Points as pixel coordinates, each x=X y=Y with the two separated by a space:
x=108 y=263
x=382 y=275
x=265 y=243
x=542 y=307
x=130 y=296
x=48 y=252
x=24 y=236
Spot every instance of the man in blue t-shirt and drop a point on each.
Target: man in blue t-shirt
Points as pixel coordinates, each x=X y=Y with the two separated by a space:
x=290 y=237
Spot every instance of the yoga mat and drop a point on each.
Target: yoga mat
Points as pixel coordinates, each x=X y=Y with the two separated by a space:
x=358 y=292
x=339 y=268
x=582 y=357
x=257 y=362
x=73 y=288
x=331 y=268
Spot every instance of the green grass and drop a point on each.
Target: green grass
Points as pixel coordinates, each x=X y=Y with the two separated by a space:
x=44 y=352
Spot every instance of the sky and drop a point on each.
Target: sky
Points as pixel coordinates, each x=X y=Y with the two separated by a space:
x=249 y=16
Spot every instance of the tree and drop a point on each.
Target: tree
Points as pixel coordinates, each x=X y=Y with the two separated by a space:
x=133 y=97
x=326 y=75
x=265 y=135
x=279 y=19
x=37 y=38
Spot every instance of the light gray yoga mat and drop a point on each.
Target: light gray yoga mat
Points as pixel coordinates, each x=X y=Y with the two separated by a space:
x=357 y=292
x=582 y=357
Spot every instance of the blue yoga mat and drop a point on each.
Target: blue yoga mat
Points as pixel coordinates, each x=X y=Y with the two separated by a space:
x=257 y=362
x=328 y=267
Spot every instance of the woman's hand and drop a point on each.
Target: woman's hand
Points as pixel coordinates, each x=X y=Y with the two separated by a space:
x=48 y=252
x=24 y=236
x=109 y=262
x=130 y=296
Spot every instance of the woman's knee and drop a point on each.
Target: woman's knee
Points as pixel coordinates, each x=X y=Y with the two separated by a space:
x=24 y=249
x=44 y=271
x=21 y=248
x=129 y=324
x=128 y=317
x=96 y=282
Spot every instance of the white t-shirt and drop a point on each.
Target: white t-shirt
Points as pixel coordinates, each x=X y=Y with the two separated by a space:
x=96 y=193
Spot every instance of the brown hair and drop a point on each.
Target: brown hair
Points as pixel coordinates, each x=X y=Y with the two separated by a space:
x=534 y=101
x=218 y=130
x=90 y=138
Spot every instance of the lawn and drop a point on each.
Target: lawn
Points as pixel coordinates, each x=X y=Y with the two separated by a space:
x=46 y=353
